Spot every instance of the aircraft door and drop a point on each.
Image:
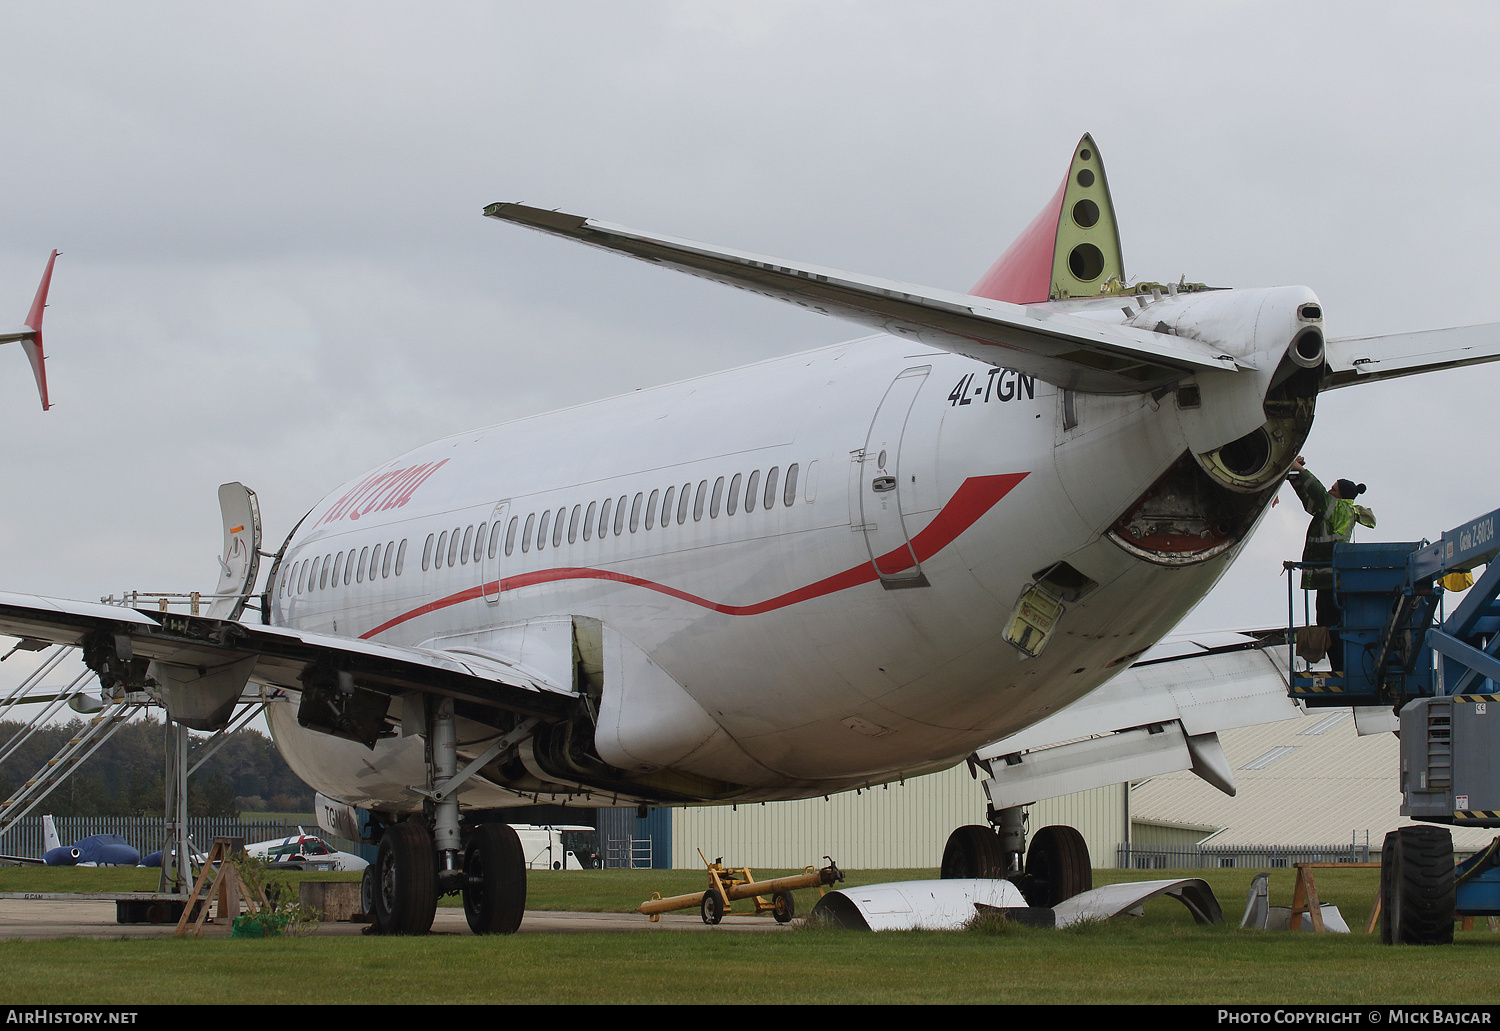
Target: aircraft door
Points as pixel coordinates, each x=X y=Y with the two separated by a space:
x=877 y=470
x=493 y=554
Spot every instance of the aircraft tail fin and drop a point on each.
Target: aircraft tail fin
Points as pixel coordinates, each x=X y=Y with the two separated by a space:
x=30 y=334
x=1071 y=249
x=50 y=839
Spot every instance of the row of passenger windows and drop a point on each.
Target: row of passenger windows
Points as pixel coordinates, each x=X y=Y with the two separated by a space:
x=460 y=546
x=324 y=571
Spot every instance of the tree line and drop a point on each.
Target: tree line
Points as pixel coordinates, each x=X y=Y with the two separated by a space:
x=125 y=776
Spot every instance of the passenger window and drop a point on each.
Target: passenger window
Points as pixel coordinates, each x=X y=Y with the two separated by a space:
x=494 y=537
x=713 y=506
x=789 y=495
x=699 y=499
x=604 y=517
x=510 y=534
x=479 y=542
x=375 y=558
x=769 y=499
x=635 y=513
x=651 y=509
x=401 y=556
x=666 y=505
x=338 y=568
x=426 y=555
x=752 y=488
x=620 y=515
x=588 y=522
x=453 y=543
x=437 y=560
x=734 y=496
x=364 y=554
x=573 y=524
x=301 y=568
x=526 y=533
x=385 y=567
x=541 y=530
x=463 y=552
x=557 y=526
x=323 y=573
x=682 y=503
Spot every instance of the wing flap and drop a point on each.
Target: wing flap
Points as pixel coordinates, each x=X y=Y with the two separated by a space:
x=1368 y=359
x=1064 y=349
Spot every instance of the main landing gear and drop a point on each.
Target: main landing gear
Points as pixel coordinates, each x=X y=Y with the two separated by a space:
x=423 y=857
x=1055 y=868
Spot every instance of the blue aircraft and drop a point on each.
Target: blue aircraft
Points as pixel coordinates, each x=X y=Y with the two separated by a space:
x=94 y=850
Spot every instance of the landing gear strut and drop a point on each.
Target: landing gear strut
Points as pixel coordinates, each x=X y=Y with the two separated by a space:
x=1054 y=869
x=416 y=865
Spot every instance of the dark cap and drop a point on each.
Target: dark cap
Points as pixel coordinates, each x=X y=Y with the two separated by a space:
x=1349 y=490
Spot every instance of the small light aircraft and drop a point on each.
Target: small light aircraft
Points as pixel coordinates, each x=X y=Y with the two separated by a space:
x=305 y=849
x=827 y=571
x=94 y=850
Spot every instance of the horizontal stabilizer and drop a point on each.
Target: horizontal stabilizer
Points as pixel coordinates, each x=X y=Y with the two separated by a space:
x=1367 y=359
x=1066 y=350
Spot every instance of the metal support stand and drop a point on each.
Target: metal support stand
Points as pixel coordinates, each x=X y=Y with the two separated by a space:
x=176 y=853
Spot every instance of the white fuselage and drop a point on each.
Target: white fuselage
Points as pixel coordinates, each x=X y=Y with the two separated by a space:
x=809 y=672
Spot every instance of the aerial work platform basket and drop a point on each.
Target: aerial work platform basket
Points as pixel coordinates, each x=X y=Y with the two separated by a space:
x=1394 y=647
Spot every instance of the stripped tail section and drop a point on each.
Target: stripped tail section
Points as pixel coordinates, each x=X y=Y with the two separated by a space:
x=1071 y=249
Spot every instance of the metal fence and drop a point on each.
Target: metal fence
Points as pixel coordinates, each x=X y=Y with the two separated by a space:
x=627 y=854
x=146 y=833
x=1259 y=857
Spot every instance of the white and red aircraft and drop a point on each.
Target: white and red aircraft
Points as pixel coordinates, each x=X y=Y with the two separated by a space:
x=820 y=572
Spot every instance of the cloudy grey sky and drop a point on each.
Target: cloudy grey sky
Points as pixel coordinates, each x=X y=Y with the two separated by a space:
x=275 y=269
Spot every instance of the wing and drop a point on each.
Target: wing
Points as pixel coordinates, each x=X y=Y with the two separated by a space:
x=1354 y=360
x=199 y=666
x=1161 y=715
x=1068 y=350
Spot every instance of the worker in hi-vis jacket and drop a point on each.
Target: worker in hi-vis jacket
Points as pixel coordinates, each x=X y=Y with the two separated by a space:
x=1334 y=514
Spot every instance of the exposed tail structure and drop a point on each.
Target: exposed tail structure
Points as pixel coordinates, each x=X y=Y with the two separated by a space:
x=1071 y=249
x=30 y=334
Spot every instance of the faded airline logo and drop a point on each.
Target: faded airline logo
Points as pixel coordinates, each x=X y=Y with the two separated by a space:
x=379 y=492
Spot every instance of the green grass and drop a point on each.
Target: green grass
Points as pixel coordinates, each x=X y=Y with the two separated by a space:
x=1162 y=957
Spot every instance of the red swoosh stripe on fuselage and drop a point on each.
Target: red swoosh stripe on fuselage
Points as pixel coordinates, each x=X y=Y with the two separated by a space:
x=974 y=497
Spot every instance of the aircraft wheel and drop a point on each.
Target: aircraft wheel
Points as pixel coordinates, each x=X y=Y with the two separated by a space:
x=783 y=907
x=1057 y=866
x=367 y=892
x=973 y=851
x=712 y=908
x=1417 y=892
x=494 y=880
x=405 y=880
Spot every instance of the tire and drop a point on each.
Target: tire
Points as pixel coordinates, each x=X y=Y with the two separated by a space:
x=405 y=880
x=367 y=892
x=1057 y=866
x=973 y=851
x=712 y=907
x=494 y=880
x=1418 y=894
x=783 y=907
